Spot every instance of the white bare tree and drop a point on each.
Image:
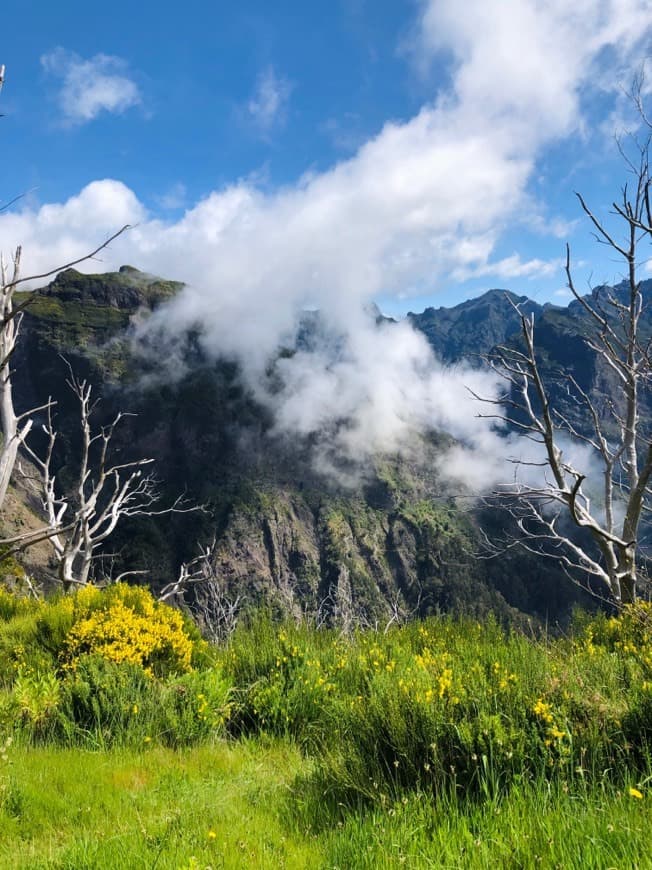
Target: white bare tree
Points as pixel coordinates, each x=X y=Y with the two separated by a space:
x=218 y=613
x=16 y=427
x=612 y=427
x=105 y=493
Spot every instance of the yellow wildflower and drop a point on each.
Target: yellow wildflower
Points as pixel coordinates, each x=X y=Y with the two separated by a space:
x=542 y=710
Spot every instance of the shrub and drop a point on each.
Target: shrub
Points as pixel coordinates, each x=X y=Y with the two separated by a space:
x=126 y=624
x=628 y=634
x=12 y=605
x=36 y=697
x=194 y=707
x=105 y=703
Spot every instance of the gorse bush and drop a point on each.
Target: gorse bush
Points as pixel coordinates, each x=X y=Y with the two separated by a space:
x=120 y=623
x=107 y=667
x=127 y=625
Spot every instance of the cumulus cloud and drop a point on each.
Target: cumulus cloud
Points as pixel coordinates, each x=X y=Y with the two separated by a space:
x=267 y=108
x=527 y=59
x=511 y=267
x=90 y=87
x=423 y=200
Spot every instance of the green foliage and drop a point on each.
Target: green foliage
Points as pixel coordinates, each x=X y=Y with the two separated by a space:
x=236 y=805
x=629 y=634
x=210 y=806
x=195 y=707
x=88 y=315
x=36 y=697
x=12 y=605
x=104 y=703
x=538 y=825
x=21 y=649
x=433 y=744
x=444 y=705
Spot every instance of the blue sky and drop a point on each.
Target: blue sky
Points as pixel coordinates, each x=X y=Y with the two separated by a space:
x=328 y=153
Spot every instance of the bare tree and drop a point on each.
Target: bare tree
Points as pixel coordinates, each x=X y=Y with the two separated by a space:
x=217 y=612
x=106 y=492
x=611 y=427
x=15 y=428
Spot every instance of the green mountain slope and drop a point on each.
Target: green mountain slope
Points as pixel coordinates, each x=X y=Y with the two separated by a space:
x=284 y=534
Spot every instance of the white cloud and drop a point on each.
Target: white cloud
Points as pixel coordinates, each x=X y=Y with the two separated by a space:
x=174 y=197
x=60 y=232
x=415 y=203
x=558 y=227
x=527 y=58
x=511 y=267
x=89 y=87
x=267 y=108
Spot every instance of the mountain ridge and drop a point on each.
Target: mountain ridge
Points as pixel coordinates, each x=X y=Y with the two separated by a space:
x=284 y=535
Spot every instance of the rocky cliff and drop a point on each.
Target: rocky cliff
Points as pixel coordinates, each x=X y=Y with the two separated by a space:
x=285 y=535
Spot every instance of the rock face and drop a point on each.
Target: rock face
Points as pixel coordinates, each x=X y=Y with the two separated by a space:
x=474 y=327
x=285 y=536
x=342 y=553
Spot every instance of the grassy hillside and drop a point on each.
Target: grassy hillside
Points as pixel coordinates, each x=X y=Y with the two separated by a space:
x=127 y=741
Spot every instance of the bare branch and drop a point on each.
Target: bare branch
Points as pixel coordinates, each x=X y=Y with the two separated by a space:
x=76 y=262
x=105 y=493
x=609 y=552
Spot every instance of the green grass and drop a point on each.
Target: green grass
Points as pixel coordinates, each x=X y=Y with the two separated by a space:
x=159 y=808
x=238 y=805
x=443 y=743
x=536 y=827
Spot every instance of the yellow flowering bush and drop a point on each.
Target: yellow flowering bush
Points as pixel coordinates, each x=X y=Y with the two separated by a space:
x=126 y=624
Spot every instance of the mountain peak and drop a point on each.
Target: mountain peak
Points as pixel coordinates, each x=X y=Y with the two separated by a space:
x=127 y=289
x=473 y=327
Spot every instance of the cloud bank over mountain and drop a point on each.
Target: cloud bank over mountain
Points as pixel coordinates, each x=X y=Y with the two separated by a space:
x=421 y=201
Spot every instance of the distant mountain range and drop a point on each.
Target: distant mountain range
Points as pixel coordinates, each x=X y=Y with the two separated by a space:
x=285 y=535
x=474 y=327
x=478 y=325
